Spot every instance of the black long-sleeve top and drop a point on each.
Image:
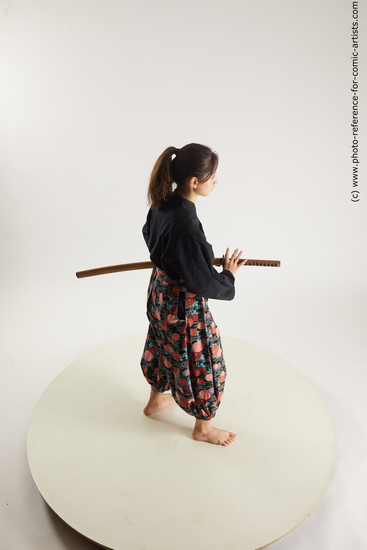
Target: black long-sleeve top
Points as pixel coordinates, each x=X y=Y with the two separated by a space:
x=177 y=245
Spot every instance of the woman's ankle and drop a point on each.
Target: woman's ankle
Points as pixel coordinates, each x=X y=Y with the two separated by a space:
x=202 y=425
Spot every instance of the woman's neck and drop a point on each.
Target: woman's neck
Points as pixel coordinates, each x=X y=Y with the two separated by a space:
x=190 y=195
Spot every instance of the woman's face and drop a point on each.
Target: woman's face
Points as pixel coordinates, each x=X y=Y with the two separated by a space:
x=204 y=189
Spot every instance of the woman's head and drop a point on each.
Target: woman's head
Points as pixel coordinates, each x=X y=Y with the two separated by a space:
x=191 y=161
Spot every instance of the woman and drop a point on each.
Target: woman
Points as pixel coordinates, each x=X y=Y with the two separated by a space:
x=183 y=351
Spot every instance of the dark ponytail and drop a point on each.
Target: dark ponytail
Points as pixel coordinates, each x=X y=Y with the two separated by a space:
x=161 y=179
x=192 y=160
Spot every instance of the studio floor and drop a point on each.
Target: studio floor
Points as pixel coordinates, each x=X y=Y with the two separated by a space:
x=327 y=349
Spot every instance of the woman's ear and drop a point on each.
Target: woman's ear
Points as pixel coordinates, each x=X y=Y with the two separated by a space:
x=193 y=182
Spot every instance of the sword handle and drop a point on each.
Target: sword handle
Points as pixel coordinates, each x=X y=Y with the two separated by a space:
x=263 y=263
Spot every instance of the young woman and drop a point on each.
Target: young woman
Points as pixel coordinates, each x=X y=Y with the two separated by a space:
x=183 y=352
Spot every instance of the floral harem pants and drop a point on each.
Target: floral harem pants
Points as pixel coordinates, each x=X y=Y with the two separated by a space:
x=183 y=351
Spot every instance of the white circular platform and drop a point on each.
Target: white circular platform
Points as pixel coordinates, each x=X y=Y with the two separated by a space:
x=129 y=482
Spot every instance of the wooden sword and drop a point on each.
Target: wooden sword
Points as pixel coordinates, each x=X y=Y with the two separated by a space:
x=147 y=265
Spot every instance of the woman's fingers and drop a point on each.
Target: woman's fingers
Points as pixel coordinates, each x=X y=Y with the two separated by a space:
x=234 y=262
x=242 y=262
x=235 y=258
x=234 y=254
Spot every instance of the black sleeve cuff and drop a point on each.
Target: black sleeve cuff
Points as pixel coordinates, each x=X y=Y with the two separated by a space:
x=227 y=272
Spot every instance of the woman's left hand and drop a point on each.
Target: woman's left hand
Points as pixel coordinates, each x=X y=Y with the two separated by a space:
x=234 y=262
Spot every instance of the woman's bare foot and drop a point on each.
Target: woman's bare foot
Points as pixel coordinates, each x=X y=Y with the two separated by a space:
x=204 y=431
x=157 y=402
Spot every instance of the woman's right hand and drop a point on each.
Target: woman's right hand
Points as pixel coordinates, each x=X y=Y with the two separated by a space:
x=233 y=263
